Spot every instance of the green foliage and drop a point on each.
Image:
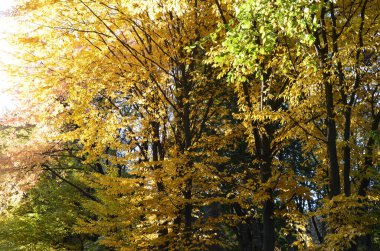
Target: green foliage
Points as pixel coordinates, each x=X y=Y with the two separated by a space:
x=45 y=219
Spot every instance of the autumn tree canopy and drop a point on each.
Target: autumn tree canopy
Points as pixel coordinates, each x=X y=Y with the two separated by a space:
x=195 y=125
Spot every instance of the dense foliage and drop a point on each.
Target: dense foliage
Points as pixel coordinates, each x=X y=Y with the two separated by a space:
x=197 y=125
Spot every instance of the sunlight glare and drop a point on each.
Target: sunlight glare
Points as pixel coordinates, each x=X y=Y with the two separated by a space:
x=7 y=102
x=6 y=5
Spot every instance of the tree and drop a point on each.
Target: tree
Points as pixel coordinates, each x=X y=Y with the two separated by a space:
x=258 y=58
x=206 y=125
x=269 y=44
x=153 y=108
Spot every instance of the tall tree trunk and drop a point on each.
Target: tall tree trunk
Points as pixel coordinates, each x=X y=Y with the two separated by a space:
x=158 y=154
x=263 y=153
x=364 y=183
x=347 y=152
x=186 y=135
x=325 y=67
x=265 y=157
x=331 y=142
x=268 y=222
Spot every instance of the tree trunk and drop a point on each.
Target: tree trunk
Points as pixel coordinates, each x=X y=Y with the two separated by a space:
x=268 y=206
x=325 y=67
x=331 y=142
x=268 y=222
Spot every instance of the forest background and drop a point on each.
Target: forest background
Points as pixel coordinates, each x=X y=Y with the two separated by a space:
x=193 y=125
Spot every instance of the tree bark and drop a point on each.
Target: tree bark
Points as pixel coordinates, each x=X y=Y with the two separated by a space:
x=325 y=67
x=268 y=206
x=268 y=222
